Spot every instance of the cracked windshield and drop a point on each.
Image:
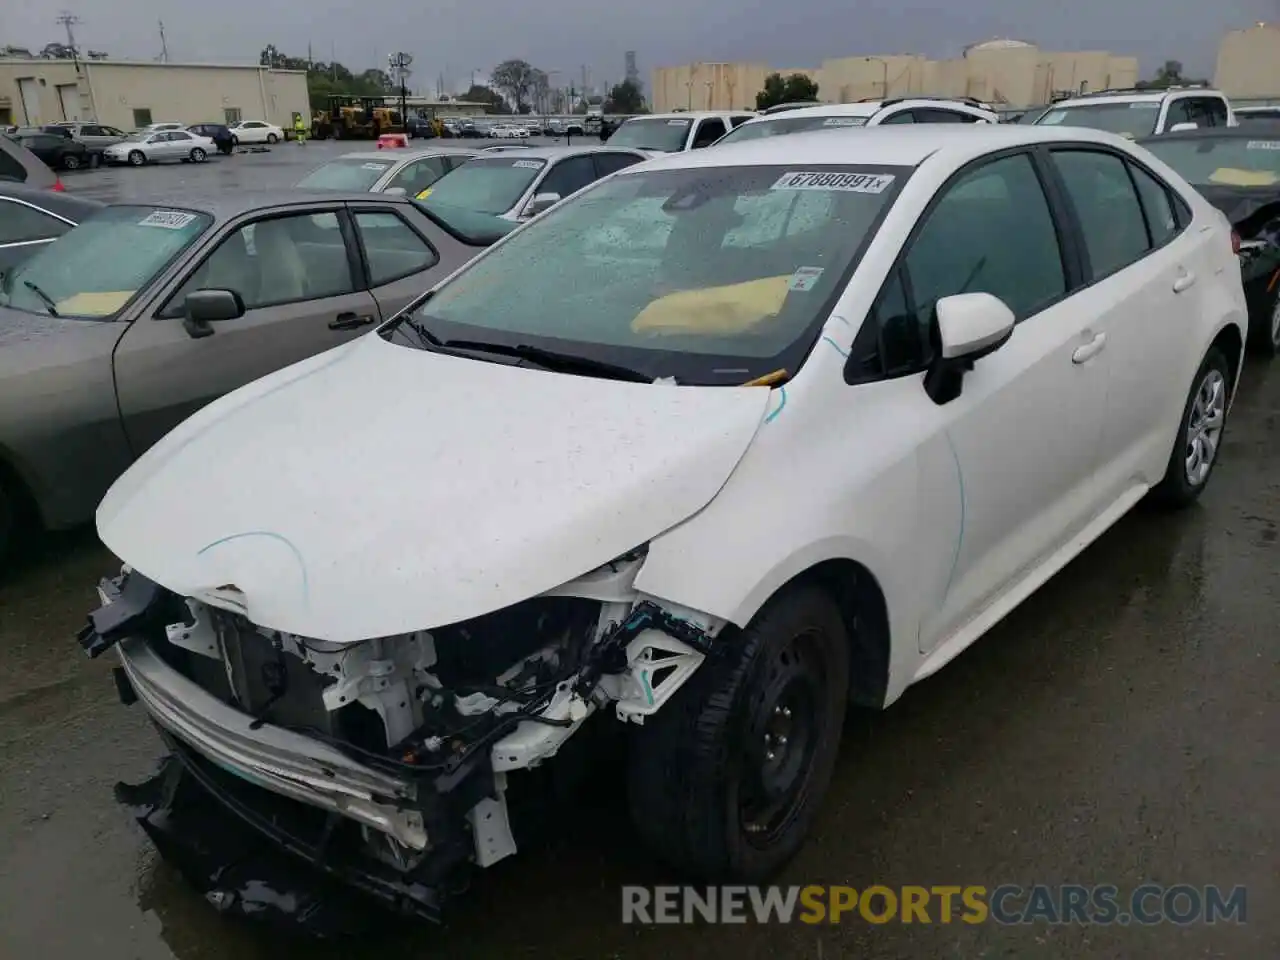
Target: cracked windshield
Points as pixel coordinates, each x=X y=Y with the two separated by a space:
x=537 y=480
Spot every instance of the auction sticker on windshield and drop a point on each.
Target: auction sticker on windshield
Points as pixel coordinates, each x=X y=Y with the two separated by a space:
x=843 y=122
x=1262 y=145
x=529 y=164
x=168 y=219
x=374 y=166
x=677 y=123
x=1144 y=105
x=846 y=182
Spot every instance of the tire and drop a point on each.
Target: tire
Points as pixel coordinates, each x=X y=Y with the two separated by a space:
x=770 y=704
x=272 y=138
x=1266 y=339
x=235 y=142
x=8 y=524
x=137 y=157
x=70 y=162
x=198 y=155
x=1184 y=478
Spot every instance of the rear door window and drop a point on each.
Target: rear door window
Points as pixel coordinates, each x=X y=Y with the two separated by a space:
x=1157 y=206
x=607 y=163
x=392 y=249
x=1107 y=206
x=709 y=131
x=901 y=116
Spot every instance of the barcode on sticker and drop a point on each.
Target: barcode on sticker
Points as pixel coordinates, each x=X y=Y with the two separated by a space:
x=1144 y=105
x=677 y=123
x=528 y=164
x=169 y=219
x=846 y=182
x=1263 y=145
x=375 y=166
x=843 y=122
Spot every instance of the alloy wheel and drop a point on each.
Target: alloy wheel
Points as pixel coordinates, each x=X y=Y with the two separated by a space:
x=1204 y=427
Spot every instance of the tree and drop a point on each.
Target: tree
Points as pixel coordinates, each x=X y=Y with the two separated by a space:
x=58 y=51
x=796 y=88
x=1168 y=74
x=625 y=97
x=515 y=79
x=540 y=91
x=490 y=98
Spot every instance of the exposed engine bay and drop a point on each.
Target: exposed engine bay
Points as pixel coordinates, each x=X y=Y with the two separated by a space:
x=399 y=748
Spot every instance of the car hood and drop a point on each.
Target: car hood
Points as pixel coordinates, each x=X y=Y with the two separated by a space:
x=377 y=489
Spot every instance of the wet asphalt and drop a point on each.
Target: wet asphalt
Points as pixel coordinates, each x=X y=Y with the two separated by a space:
x=1122 y=727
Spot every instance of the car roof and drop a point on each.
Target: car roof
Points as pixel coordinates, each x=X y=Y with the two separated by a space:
x=1262 y=130
x=225 y=206
x=905 y=145
x=402 y=154
x=867 y=109
x=691 y=114
x=1135 y=96
x=63 y=204
x=555 y=153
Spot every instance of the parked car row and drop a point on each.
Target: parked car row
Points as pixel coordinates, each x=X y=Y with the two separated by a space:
x=715 y=443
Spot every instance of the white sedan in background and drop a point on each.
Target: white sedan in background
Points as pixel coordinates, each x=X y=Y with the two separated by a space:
x=256 y=131
x=835 y=405
x=159 y=147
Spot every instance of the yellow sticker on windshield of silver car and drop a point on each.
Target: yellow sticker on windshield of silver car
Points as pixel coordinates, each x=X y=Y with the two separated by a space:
x=1233 y=177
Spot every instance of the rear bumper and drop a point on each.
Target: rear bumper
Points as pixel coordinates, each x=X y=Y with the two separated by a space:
x=269 y=757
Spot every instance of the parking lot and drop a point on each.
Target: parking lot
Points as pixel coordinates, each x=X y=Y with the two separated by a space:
x=262 y=169
x=1120 y=727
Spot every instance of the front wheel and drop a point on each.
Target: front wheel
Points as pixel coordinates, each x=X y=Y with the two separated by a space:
x=272 y=138
x=1199 y=434
x=137 y=157
x=71 y=162
x=727 y=778
x=197 y=155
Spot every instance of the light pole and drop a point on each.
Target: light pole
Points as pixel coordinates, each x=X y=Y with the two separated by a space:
x=884 y=81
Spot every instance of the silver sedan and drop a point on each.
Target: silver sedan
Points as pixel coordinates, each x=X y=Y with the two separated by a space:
x=158 y=147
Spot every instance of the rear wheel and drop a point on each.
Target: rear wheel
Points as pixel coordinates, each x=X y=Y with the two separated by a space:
x=197 y=155
x=137 y=157
x=727 y=778
x=1199 y=434
x=70 y=162
x=1265 y=330
x=272 y=138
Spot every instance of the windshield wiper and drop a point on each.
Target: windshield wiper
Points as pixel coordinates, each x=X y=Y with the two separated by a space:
x=49 y=303
x=554 y=360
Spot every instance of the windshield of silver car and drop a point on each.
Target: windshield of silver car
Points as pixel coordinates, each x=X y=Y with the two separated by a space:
x=1222 y=161
x=653 y=133
x=95 y=269
x=711 y=275
x=356 y=174
x=490 y=184
x=757 y=129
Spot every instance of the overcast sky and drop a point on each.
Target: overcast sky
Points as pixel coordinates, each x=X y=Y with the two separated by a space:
x=459 y=36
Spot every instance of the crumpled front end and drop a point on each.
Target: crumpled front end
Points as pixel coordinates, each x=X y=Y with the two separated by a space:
x=385 y=763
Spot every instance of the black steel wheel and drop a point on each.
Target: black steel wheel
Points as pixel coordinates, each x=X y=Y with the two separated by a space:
x=726 y=779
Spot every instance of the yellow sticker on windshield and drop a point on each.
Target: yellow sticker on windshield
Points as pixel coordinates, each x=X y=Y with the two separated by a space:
x=94 y=303
x=734 y=308
x=424 y=194
x=1233 y=177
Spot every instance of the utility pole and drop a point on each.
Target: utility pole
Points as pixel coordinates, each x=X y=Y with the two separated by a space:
x=399 y=63
x=69 y=20
x=164 y=46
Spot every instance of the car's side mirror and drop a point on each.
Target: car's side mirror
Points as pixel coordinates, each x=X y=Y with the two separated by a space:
x=203 y=307
x=541 y=202
x=1180 y=127
x=395 y=191
x=966 y=327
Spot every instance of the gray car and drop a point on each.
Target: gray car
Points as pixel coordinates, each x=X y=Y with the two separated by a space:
x=521 y=184
x=31 y=217
x=20 y=165
x=95 y=136
x=406 y=172
x=160 y=146
x=140 y=316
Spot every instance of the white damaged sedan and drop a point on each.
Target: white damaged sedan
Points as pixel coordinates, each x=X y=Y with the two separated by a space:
x=715 y=447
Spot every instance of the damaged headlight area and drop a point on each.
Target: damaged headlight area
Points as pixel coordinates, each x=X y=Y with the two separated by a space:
x=385 y=762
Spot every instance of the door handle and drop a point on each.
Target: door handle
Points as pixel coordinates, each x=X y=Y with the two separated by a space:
x=350 y=321
x=1090 y=350
x=1185 y=281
